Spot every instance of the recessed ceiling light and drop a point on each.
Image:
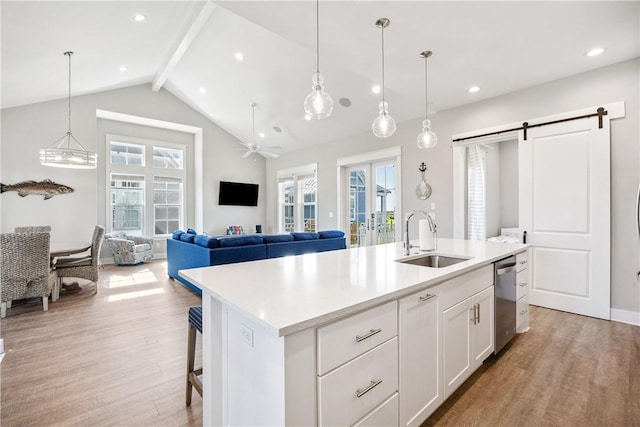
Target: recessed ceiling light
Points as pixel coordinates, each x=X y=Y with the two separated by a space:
x=261 y=134
x=277 y=129
x=239 y=56
x=307 y=117
x=139 y=17
x=202 y=90
x=123 y=69
x=375 y=89
x=595 y=52
x=345 y=102
x=474 y=89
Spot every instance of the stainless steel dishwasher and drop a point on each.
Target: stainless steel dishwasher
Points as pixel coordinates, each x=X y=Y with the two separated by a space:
x=505 y=301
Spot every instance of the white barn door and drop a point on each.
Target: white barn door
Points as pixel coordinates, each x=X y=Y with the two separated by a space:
x=565 y=209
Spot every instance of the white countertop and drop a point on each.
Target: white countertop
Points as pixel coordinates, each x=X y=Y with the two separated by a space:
x=293 y=293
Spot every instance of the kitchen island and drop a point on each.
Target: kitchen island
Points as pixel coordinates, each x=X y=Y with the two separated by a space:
x=283 y=338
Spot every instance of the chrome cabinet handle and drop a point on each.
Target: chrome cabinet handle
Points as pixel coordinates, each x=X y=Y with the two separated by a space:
x=374 y=383
x=523 y=262
x=478 y=312
x=523 y=284
x=371 y=333
x=427 y=297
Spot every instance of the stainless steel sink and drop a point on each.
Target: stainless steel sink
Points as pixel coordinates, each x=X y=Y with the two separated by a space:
x=433 y=260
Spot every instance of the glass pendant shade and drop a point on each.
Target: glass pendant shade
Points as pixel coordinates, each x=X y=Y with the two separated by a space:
x=384 y=125
x=427 y=138
x=318 y=104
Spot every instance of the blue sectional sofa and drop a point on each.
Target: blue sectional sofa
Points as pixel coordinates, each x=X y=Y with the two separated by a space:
x=191 y=250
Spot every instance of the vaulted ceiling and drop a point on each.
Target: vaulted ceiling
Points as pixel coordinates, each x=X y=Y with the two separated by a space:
x=189 y=48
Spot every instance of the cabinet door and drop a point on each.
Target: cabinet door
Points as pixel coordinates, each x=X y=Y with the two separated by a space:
x=483 y=329
x=456 y=341
x=420 y=356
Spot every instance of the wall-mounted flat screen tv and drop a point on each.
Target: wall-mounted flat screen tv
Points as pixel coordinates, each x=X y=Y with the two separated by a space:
x=238 y=194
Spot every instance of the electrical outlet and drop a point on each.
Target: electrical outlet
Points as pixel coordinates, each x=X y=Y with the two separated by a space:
x=247 y=335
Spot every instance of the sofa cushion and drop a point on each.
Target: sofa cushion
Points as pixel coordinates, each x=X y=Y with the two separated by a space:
x=331 y=234
x=191 y=231
x=187 y=237
x=242 y=240
x=277 y=238
x=176 y=234
x=206 y=241
x=306 y=235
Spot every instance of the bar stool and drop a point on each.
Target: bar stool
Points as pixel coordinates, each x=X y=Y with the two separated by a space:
x=195 y=325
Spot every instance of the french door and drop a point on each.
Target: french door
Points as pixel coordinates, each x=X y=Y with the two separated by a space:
x=371 y=203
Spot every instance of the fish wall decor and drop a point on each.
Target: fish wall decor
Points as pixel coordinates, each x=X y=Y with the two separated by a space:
x=46 y=188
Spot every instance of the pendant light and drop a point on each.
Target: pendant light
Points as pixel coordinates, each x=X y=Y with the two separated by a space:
x=427 y=138
x=384 y=125
x=61 y=154
x=318 y=104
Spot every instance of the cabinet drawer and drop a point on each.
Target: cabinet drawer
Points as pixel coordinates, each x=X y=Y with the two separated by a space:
x=522 y=284
x=522 y=261
x=462 y=287
x=522 y=314
x=356 y=388
x=384 y=415
x=345 y=339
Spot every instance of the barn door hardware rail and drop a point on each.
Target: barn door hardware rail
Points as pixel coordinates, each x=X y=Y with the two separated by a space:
x=600 y=112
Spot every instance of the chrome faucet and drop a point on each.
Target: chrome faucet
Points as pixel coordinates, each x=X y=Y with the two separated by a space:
x=432 y=228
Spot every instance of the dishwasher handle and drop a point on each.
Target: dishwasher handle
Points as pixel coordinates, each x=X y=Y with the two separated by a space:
x=506 y=270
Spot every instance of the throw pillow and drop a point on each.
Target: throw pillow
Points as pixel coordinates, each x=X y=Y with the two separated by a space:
x=206 y=241
x=176 y=234
x=242 y=240
x=306 y=235
x=191 y=231
x=187 y=237
x=331 y=234
x=277 y=238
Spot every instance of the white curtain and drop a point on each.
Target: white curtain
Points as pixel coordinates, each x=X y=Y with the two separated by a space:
x=476 y=177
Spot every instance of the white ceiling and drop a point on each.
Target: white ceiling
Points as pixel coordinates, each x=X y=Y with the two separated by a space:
x=188 y=45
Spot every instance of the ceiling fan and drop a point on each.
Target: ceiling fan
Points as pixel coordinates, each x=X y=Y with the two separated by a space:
x=253 y=147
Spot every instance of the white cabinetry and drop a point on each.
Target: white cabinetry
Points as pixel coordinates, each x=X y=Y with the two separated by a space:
x=523 y=279
x=358 y=368
x=420 y=355
x=467 y=326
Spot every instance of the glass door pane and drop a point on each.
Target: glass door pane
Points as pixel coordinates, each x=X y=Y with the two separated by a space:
x=357 y=214
x=385 y=202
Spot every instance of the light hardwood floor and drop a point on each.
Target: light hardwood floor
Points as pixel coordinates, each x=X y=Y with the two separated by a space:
x=118 y=359
x=568 y=370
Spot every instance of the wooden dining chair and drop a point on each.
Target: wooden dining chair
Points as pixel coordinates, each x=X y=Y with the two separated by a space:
x=85 y=267
x=25 y=271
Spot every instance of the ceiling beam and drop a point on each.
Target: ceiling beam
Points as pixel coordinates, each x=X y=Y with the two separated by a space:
x=165 y=71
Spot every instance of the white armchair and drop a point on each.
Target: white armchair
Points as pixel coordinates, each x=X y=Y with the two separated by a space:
x=129 y=250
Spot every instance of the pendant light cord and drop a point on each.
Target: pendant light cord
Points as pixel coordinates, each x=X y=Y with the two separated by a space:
x=426 y=104
x=318 y=36
x=69 y=97
x=382 y=29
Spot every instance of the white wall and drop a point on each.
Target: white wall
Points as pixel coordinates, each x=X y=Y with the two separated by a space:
x=28 y=128
x=619 y=82
x=508 y=184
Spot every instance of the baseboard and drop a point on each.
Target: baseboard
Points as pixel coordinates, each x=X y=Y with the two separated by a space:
x=625 y=316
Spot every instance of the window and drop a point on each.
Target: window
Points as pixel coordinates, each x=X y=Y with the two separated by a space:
x=297 y=195
x=167 y=204
x=146 y=198
x=127 y=203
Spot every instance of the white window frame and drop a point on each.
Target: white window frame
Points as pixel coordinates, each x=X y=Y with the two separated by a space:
x=149 y=172
x=297 y=174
